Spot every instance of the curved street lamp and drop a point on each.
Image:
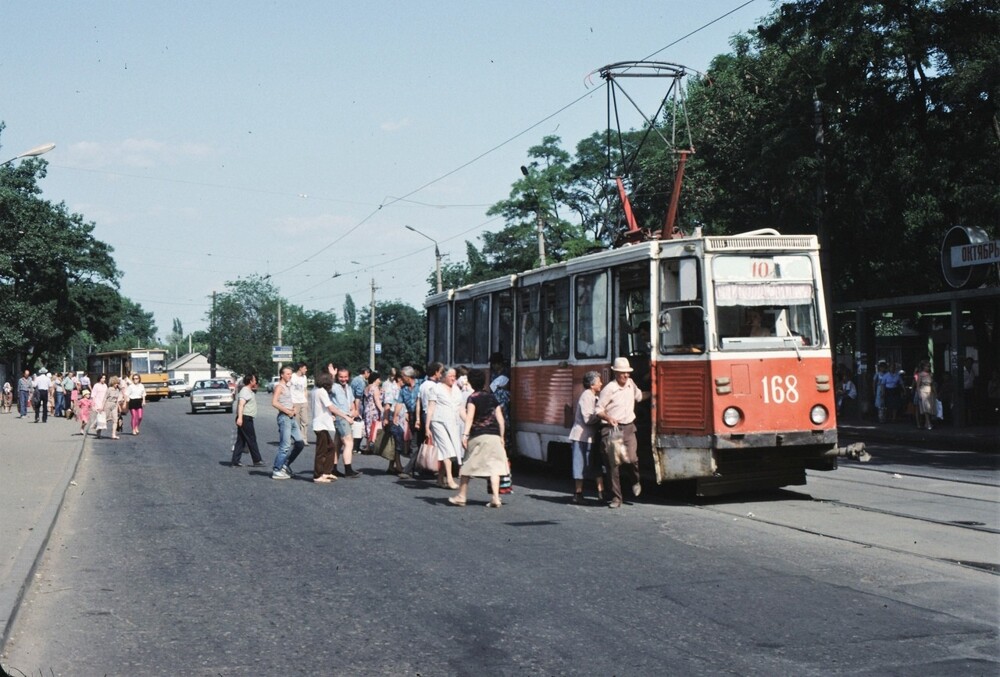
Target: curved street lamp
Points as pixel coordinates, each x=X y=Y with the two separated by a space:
x=437 y=254
x=34 y=152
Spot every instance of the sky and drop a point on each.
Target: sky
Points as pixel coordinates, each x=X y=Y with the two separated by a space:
x=209 y=141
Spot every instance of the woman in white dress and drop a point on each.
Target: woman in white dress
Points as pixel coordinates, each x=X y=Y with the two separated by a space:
x=444 y=411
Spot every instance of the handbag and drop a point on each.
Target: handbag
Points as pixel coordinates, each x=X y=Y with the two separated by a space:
x=102 y=421
x=427 y=458
x=385 y=445
x=617 y=450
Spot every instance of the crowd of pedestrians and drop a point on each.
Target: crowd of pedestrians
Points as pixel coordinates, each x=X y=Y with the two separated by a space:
x=98 y=406
x=451 y=423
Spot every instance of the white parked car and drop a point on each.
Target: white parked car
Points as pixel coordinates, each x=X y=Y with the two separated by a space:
x=176 y=386
x=211 y=395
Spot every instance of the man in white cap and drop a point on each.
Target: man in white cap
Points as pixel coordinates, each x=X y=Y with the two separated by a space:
x=616 y=409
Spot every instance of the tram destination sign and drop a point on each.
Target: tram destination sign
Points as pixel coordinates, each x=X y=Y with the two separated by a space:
x=975 y=254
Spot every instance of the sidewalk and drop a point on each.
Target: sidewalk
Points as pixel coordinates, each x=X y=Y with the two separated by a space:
x=982 y=439
x=37 y=464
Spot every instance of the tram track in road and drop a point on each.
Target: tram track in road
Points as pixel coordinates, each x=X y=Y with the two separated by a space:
x=932 y=522
x=988 y=567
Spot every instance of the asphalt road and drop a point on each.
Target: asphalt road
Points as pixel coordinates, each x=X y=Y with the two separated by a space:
x=166 y=561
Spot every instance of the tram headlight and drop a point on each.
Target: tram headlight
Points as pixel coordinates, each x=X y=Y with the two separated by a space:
x=818 y=414
x=731 y=416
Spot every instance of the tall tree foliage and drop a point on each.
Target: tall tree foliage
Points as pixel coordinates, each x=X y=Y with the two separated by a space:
x=244 y=323
x=56 y=278
x=905 y=96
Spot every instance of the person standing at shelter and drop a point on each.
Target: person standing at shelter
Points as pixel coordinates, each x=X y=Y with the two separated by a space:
x=300 y=402
x=969 y=390
x=616 y=408
x=23 y=393
x=41 y=396
x=8 y=397
x=246 y=434
x=925 y=395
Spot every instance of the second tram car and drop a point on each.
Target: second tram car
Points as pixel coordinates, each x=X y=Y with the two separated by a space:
x=728 y=333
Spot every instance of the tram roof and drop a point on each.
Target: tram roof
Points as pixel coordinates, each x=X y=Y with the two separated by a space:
x=766 y=239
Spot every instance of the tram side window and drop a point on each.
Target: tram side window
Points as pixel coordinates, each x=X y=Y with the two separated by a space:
x=463 y=331
x=592 y=315
x=555 y=312
x=437 y=321
x=681 y=320
x=481 y=333
x=503 y=324
x=528 y=317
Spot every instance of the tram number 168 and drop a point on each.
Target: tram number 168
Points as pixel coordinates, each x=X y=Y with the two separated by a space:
x=779 y=389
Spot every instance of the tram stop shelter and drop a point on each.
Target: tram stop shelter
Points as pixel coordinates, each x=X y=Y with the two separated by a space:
x=945 y=327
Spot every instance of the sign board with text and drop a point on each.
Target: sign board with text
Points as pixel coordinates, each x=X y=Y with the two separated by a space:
x=281 y=353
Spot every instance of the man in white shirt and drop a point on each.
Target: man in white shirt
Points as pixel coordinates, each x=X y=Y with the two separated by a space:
x=41 y=396
x=300 y=401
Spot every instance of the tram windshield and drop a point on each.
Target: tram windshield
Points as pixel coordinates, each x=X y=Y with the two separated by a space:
x=765 y=302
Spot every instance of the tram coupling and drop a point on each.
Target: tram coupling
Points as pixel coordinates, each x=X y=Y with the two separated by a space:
x=855 y=451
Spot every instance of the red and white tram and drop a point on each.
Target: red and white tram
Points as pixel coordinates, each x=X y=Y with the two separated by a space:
x=727 y=332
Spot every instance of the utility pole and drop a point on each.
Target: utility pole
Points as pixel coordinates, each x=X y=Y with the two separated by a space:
x=279 y=333
x=371 y=345
x=211 y=346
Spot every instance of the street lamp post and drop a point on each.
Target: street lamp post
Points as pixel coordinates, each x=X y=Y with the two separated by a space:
x=538 y=216
x=34 y=152
x=437 y=255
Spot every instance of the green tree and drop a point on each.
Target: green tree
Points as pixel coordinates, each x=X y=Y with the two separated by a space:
x=176 y=333
x=135 y=328
x=905 y=98
x=56 y=279
x=401 y=330
x=541 y=194
x=245 y=324
x=350 y=313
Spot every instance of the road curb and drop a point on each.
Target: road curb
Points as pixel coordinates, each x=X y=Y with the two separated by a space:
x=13 y=591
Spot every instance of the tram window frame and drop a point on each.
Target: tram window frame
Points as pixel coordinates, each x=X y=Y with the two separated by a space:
x=592 y=309
x=681 y=317
x=464 y=331
x=528 y=309
x=555 y=319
